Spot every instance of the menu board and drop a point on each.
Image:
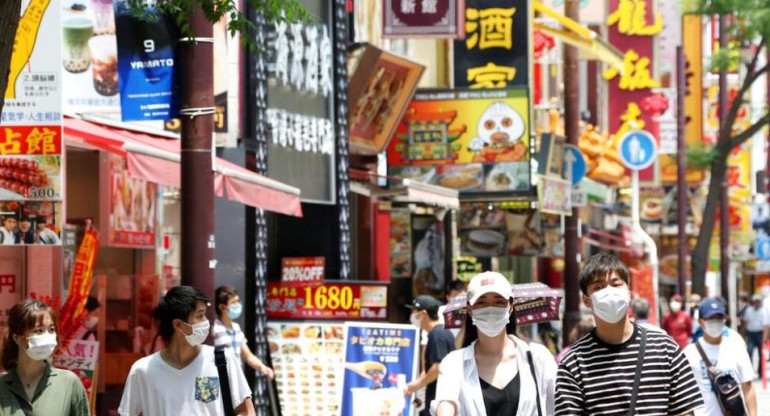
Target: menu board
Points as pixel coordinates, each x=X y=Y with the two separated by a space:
x=307 y=360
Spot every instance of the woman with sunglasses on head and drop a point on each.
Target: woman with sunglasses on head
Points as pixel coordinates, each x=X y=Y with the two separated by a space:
x=495 y=373
x=32 y=385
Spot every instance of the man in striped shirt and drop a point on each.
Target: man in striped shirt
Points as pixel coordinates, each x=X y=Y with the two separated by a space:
x=597 y=375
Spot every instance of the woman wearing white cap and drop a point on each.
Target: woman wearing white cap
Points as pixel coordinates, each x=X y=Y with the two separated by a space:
x=495 y=373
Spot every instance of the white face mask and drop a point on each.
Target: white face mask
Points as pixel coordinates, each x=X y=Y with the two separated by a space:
x=675 y=306
x=415 y=319
x=611 y=304
x=199 y=334
x=714 y=328
x=41 y=346
x=491 y=321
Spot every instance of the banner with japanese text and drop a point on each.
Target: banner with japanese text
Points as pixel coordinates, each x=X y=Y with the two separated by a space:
x=327 y=301
x=470 y=140
x=82 y=358
x=380 y=359
x=496 y=50
x=632 y=27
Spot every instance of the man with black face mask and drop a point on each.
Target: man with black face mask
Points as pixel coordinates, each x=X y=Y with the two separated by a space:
x=621 y=367
x=183 y=378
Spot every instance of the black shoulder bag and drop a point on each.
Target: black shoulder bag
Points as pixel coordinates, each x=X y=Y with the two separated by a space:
x=639 y=365
x=534 y=377
x=224 y=380
x=725 y=387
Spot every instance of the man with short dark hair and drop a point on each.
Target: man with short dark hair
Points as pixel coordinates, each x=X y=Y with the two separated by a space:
x=440 y=343
x=641 y=309
x=45 y=235
x=598 y=374
x=8 y=230
x=183 y=378
x=25 y=234
x=724 y=353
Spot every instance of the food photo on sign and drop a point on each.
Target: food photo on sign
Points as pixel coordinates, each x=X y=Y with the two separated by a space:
x=132 y=207
x=30 y=177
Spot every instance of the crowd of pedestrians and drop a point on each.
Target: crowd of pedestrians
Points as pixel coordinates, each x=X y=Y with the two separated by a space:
x=615 y=362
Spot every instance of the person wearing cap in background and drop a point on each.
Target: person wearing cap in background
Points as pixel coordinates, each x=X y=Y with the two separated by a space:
x=756 y=323
x=678 y=323
x=440 y=343
x=495 y=373
x=724 y=353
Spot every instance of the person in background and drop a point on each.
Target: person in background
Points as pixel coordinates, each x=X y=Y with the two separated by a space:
x=495 y=373
x=8 y=231
x=755 y=321
x=25 y=234
x=453 y=290
x=440 y=343
x=678 y=323
x=183 y=379
x=45 y=235
x=578 y=332
x=599 y=373
x=723 y=353
x=32 y=385
x=227 y=332
x=640 y=307
x=87 y=329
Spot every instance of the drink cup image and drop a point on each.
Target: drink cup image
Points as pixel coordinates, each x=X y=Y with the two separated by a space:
x=76 y=32
x=104 y=17
x=104 y=58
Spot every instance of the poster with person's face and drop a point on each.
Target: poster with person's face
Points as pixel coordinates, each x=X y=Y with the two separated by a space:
x=30 y=222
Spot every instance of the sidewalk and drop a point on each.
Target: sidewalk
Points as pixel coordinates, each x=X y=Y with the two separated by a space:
x=763 y=395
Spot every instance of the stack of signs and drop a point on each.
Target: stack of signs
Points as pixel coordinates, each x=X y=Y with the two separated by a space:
x=30 y=132
x=307 y=360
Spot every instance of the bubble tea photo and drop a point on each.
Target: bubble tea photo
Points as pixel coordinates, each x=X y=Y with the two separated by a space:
x=104 y=57
x=76 y=33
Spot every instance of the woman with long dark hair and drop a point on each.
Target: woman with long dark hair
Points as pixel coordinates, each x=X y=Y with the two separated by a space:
x=495 y=373
x=32 y=385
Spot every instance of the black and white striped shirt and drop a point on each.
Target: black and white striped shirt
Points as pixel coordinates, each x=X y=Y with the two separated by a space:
x=596 y=378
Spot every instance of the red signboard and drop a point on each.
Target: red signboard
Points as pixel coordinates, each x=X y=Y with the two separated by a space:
x=643 y=287
x=302 y=270
x=423 y=18
x=632 y=25
x=327 y=301
x=30 y=140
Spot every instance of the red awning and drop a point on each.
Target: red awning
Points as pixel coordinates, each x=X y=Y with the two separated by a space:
x=158 y=160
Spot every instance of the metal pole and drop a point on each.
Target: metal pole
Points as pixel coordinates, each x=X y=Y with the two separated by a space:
x=681 y=194
x=572 y=131
x=724 y=217
x=197 y=95
x=652 y=248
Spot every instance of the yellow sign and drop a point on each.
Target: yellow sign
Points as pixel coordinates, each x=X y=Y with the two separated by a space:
x=24 y=42
x=636 y=73
x=630 y=121
x=631 y=18
x=489 y=28
x=490 y=76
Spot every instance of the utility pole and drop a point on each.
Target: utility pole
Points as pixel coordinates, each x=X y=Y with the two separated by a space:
x=572 y=131
x=197 y=109
x=681 y=182
x=724 y=206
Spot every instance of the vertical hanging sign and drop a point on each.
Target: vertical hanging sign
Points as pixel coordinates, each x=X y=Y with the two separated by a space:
x=495 y=51
x=632 y=26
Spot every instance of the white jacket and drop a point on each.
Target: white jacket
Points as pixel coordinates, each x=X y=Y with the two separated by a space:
x=458 y=381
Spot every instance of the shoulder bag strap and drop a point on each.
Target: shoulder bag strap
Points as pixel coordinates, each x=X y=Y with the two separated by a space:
x=534 y=377
x=639 y=365
x=709 y=366
x=224 y=380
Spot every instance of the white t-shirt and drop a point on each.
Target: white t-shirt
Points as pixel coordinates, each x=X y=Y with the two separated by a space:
x=155 y=388
x=730 y=357
x=231 y=338
x=756 y=319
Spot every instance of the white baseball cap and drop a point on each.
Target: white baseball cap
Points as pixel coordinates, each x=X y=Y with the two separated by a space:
x=488 y=282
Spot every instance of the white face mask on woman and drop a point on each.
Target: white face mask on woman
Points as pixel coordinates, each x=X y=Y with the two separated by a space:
x=41 y=346
x=611 y=303
x=200 y=332
x=491 y=321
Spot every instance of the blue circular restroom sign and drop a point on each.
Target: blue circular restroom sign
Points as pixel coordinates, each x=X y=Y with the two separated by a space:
x=638 y=149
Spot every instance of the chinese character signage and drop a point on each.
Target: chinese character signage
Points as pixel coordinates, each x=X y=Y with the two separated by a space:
x=496 y=50
x=632 y=25
x=300 y=113
x=146 y=49
x=380 y=359
x=326 y=301
x=307 y=360
x=303 y=270
x=469 y=140
x=132 y=207
x=89 y=57
x=423 y=18
x=381 y=87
